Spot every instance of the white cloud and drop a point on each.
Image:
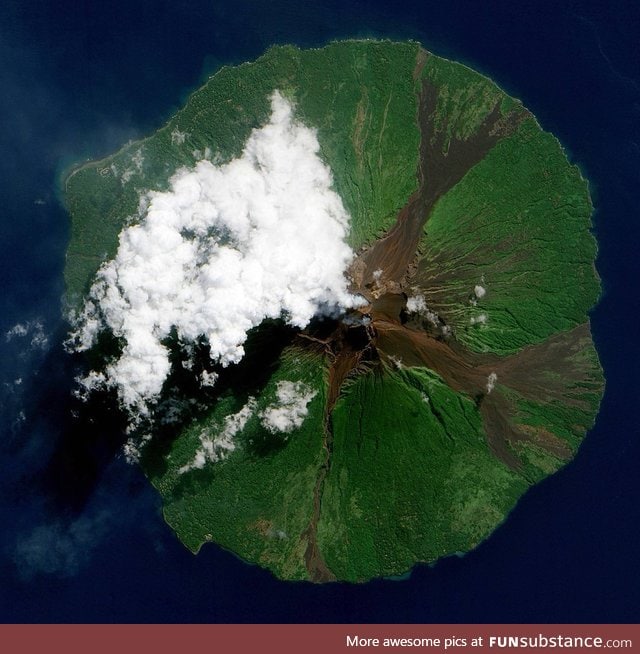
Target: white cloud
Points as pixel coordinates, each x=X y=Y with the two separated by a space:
x=491 y=381
x=262 y=236
x=39 y=340
x=178 y=137
x=290 y=409
x=396 y=361
x=416 y=304
x=480 y=319
x=216 y=445
x=134 y=446
x=479 y=291
x=32 y=329
x=17 y=331
x=208 y=378
x=94 y=380
x=138 y=160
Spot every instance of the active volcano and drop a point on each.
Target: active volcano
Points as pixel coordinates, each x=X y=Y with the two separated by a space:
x=453 y=370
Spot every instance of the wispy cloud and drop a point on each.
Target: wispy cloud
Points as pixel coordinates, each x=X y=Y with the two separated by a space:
x=58 y=549
x=215 y=444
x=31 y=331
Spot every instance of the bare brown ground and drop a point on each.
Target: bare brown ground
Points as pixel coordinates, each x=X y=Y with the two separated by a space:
x=542 y=373
x=438 y=171
x=314 y=561
x=346 y=360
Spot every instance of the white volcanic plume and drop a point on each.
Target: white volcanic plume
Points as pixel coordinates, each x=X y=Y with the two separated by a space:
x=227 y=246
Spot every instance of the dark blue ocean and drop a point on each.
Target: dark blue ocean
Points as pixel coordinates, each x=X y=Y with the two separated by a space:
x=81 y=533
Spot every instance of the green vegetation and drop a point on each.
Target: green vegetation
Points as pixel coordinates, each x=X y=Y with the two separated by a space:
x=517 y=225
x=411 y=478
x=408 y=465
x=464 y=100
x=258 y=500
x=358 y=94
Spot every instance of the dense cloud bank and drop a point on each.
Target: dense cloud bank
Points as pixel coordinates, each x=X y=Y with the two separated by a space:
x=226 y=247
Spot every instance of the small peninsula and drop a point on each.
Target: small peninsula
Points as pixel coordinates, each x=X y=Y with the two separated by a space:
x=342 y=297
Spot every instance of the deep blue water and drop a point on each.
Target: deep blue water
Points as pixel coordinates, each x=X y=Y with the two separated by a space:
x=82 y=537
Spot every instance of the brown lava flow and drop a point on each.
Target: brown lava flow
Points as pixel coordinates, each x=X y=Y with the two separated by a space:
x=379 y=333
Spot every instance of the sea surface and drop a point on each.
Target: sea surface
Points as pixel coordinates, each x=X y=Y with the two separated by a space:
x=82 y=537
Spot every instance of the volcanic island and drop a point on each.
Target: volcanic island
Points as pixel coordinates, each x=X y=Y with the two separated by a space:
x=406 y=426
